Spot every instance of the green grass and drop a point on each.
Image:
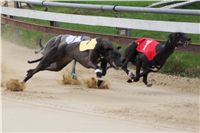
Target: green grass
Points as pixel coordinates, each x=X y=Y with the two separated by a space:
x=183 y=64
x=23 y=37
x=192 y=6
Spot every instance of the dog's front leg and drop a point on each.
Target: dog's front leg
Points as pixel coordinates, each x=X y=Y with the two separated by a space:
x=99 y=76
x=98 y=72
x=138 y=67
x=145 y=75
x=145 y=81
x=128 y=72
x=104 y=67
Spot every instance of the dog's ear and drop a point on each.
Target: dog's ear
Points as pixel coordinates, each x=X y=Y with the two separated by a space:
x=180 y=35
x=172 y=37
x=176 y=35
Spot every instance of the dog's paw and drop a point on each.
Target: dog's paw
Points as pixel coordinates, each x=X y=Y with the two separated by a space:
x=99 y=82
x=131 y=75
x=129 y=80
x=149 y=84
x=136 y=79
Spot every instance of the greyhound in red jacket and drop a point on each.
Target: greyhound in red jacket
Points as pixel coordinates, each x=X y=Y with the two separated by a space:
x=150 y=55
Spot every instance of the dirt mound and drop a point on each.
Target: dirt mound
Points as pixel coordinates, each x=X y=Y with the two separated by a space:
x=14 y=85
x=68 y=80
x=92 y=83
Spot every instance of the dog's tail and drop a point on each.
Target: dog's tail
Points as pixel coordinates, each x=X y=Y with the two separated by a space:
x=34 y=61
x=41 y=47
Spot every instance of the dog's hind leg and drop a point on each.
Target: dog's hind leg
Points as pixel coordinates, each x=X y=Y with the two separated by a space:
x=31 y=72
x=57 y=66
x=45 y=62
x=73 y=72
x=34 y=61
x=28 y=75
x=145 y=75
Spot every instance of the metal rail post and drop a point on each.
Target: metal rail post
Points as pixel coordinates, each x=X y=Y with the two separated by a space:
x=52 y=23
x=121 y=31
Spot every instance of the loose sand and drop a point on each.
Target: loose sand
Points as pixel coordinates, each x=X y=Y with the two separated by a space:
x=171 y=104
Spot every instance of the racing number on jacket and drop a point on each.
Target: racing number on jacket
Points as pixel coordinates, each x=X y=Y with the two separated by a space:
x=146 y=44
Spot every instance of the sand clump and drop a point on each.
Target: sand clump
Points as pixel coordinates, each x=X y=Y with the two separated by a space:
x=92 y=83
x=68 y=80
x=14 y=85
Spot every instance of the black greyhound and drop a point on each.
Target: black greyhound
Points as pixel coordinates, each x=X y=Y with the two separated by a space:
x=58 y=53
x=135 y=53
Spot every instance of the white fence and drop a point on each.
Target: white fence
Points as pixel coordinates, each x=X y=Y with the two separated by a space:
x=164 y=26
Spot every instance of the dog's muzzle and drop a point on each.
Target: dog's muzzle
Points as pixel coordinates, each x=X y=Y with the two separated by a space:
x=187 y=42
x=184 y=43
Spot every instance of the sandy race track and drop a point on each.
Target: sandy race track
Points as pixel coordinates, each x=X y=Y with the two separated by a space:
x=171 y=104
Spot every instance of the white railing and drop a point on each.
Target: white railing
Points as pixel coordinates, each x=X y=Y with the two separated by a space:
x=164 y=26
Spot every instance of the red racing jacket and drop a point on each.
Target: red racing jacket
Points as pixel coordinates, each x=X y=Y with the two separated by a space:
x=147 y=46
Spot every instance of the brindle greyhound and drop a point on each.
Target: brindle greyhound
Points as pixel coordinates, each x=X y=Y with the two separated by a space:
x=140 y=60
x=58 y=53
